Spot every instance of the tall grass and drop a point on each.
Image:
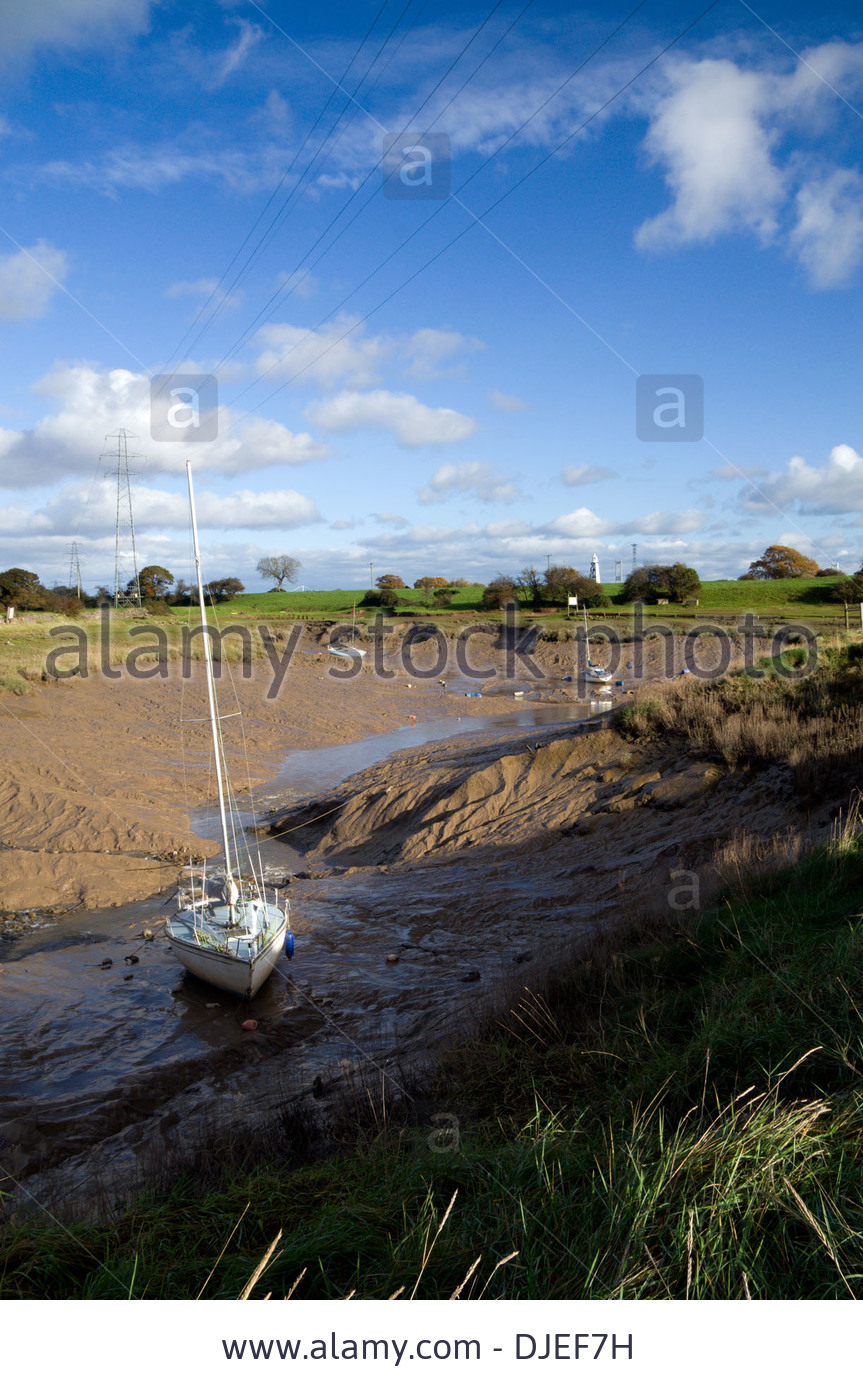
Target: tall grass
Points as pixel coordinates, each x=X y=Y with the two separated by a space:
x=813 y=725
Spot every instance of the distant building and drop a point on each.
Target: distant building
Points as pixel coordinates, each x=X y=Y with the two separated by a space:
x=594 y=569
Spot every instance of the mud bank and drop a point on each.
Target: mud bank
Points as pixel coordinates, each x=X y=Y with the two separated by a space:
x=436 y=884
x=99 y=777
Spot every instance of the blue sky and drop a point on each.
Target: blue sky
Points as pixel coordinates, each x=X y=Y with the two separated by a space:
x=389 y=398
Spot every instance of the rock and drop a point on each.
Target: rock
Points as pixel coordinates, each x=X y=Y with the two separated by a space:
x=393 y=958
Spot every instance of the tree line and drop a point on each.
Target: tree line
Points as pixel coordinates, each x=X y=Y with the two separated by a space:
x=156 y=587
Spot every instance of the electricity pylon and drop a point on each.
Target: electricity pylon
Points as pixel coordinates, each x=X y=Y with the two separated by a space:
x=126 y=589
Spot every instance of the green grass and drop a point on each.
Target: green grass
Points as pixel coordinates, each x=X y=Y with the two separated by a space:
x=681 y=1115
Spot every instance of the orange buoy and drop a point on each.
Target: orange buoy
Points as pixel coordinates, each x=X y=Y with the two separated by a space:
x=250 y=1024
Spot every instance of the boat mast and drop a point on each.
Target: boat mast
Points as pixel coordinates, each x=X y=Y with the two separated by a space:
x=211 y=684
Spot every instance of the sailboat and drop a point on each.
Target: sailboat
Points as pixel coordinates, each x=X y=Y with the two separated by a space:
x=225 y=929
x=597 y=674
x=349 y=651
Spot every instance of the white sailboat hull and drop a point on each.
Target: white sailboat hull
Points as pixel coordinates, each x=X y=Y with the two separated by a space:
x=243 y=977
x=233 y=955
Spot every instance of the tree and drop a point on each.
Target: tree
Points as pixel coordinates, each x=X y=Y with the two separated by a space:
x=443 y=597
x=849 y=589
x=222 y=589
x=781 y=562
x=682 y=583
x=153 y=581
x=529 y=584
x=22 y=589
x=429 y=582
x=182 y=592
x=651 y=582
x=391 y=581
x=278 y=567
x=501 y=590
x=560 y=581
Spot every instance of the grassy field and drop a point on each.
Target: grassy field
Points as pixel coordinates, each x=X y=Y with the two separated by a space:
x=678 y=1116
x=717 y=596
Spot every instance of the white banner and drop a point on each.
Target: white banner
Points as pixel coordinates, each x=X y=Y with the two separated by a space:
x=645 y=1346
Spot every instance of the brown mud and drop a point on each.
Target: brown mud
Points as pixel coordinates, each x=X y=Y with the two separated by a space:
x=433 y=885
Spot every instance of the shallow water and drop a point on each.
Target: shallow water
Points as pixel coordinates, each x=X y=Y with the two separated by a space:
x=87 y=1051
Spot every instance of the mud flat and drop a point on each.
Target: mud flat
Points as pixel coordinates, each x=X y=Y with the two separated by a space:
x=99 y=778
x=433 y=884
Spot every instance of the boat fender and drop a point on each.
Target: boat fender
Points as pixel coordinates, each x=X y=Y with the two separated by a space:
x=289 y=945
x=249 y=1025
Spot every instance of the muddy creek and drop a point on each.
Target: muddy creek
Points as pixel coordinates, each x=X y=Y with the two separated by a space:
x=136 y=1055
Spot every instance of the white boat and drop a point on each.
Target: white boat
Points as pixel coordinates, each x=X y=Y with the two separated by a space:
x=349 y=651
x=596 y=674
x=225 y=930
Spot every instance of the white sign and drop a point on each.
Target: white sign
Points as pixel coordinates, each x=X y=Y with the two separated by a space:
x=572 y=602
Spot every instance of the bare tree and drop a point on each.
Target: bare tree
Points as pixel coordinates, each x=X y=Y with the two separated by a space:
x=278 y=567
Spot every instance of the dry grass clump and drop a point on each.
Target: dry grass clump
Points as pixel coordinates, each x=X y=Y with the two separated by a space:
x=812 y=725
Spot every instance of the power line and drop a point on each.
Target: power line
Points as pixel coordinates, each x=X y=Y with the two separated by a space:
x=290 y=284
x=478 y=219
x=330 y=99
x=272 y=227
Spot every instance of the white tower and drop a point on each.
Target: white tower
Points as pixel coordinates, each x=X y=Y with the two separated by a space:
x=594 y=569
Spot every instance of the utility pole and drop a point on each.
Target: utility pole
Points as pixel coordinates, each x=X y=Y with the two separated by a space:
x=618 y=571
x=634 y=558
x=126 y=589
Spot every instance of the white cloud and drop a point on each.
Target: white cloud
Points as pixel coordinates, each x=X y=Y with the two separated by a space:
x=338 y=352
x=581 y=523
x=428 y=350
x=480 y=479
x=93 y=404
x=828 y=235
x=717 y=130
x=584 y=474
x=664 y=524
x=299 y=282
x=91 y=511
x=333 y=354
x=203 y=289
x=831 y=490
x=412 y=423
x=235 y=56
x=67 y=24
x=499 y=400
x=28 y=279
x=710 y=133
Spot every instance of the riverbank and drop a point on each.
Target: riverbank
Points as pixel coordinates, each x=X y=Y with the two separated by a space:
x=678 y=1116
x=439 y=885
